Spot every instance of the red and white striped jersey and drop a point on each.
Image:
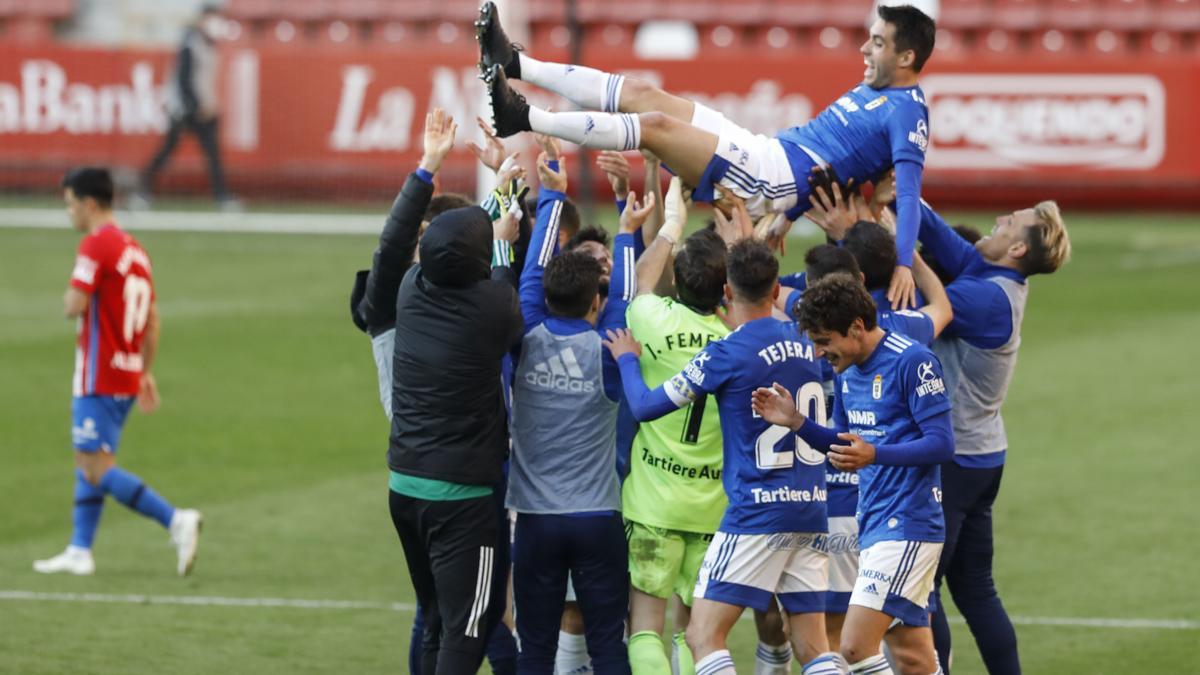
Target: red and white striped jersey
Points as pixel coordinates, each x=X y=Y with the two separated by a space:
x=114 y=270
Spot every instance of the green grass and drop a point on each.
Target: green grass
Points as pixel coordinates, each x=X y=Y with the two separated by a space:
x=270 y=423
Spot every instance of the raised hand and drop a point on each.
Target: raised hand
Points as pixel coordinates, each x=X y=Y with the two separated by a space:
x=491 y=154
x=636 y=213
x=831 y=212
x=620 y=342
x=508 y=226
x=440 y=129
x=674 y=211
x=737 y=226
x=550 y=145
x=851 y=457
x=776 y=405
x=902 y=292
x=616 y=167
x=551 y=179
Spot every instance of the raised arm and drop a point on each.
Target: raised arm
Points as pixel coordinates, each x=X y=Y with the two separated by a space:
x=644 y=403
x=652 y=263
x=543 y=243
x=951 y=251
x=398 y=240
x=938 y=308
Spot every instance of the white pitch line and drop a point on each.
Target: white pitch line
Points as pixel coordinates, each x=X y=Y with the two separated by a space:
x=206 y=601
x=209 y=221
x=301 y=603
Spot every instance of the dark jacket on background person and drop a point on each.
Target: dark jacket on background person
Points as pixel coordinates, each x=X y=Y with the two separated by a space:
x=373 y=301
x=455 y=320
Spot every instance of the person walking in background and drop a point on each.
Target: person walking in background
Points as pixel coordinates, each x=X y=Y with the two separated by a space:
x=192 y=106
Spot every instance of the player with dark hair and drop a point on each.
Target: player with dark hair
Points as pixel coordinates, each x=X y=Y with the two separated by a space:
x=771 y=540
x=979 y=349
x=670 y=516
x=891 y=423
x=111 y=295
x=922 y=326
x=563 y=482
x=878 y=124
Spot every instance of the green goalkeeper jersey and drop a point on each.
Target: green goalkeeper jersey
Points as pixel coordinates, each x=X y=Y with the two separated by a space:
x=674 y=477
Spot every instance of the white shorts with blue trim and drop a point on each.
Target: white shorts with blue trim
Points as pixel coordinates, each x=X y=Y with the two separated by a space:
x=752 y=166
x=896 y=578
x=843 y=563
x=747 y=570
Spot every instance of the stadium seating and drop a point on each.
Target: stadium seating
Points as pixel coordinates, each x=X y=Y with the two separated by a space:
x=1044 y=27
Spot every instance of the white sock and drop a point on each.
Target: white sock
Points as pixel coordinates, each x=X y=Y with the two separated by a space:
x=829 y=663
x=598 y=131
x=876 y=665
x=716 y=663
x=770 y=660
x=572 y=656
x=587 y=88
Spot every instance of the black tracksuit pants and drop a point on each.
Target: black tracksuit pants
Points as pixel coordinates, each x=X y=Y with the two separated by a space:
x=966 y=567
x=458 y=560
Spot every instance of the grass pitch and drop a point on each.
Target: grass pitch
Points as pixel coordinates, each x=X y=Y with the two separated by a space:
x=271 y=425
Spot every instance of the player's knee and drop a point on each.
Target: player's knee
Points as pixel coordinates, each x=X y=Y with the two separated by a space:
x=634 y=91
x=93 y=465
x=656 y=125
x=853 y=652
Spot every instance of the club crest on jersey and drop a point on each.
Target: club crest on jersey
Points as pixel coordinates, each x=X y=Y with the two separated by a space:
x=876 y=103
x=877 y=388
x=930 y=382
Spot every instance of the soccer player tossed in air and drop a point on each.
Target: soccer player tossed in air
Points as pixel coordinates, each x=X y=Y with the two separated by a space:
x=771 y=541
x=891 y=423
x=111 y=294
x=880 y=123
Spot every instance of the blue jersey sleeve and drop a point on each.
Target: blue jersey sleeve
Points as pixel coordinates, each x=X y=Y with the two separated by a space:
x=620 y=293
x=951 y=251
x=543 y=246
x=793 y=302
x=936 y=445
x=798 y=280
x=645 y=404
x=908 y=210
x=908 y=133
x=912 y=324
x=982 y=312
x=923 y=384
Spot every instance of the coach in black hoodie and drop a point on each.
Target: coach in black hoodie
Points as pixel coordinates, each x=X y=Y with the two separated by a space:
x=455 y=321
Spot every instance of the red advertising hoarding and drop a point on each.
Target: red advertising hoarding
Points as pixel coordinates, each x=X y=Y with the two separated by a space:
x=340 y=122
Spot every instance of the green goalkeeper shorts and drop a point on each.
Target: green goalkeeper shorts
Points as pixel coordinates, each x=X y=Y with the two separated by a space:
x=662 y=561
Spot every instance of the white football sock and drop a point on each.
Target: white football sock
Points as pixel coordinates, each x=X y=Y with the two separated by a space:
x=572 y=656
x=876 y=665
x=769 y=660
x=587 y=88
x=716 y=663
x=829 y=663
x=598 y=131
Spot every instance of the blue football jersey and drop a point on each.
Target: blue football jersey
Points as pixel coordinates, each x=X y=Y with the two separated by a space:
x=883 y=400
x=863 y=133
x=775 y=482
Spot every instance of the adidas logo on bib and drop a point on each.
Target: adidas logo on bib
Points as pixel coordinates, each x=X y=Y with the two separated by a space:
x=561 y=373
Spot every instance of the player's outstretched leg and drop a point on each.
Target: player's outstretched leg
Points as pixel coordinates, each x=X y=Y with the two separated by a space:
x=587 y=88
x=685 y=148
x=183 y=524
